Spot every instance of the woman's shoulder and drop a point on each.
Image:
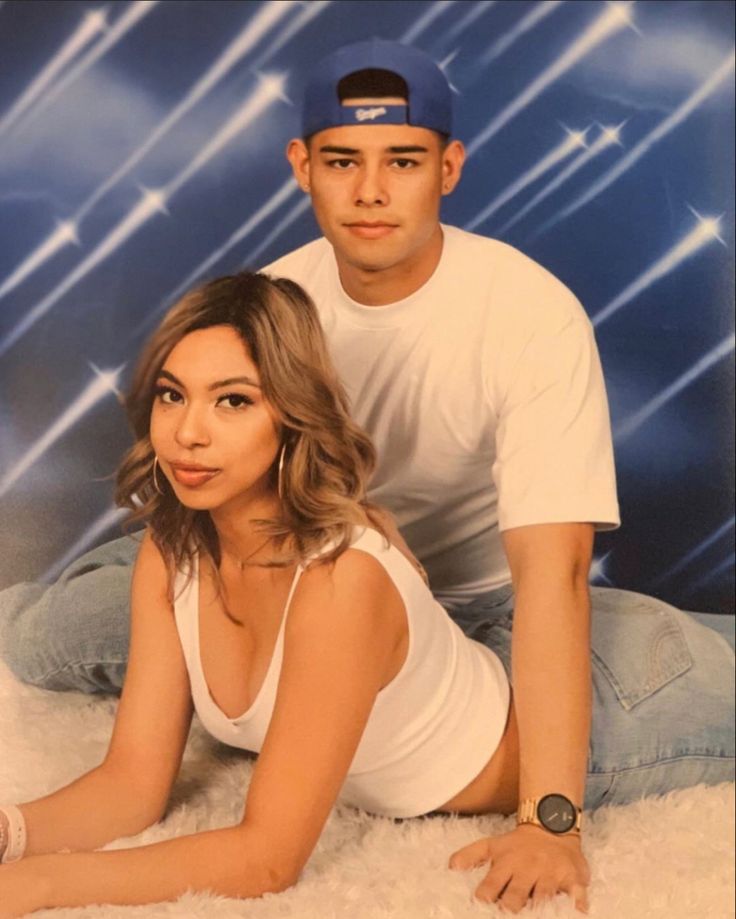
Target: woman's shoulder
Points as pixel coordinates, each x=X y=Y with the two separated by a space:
x=355 y=579
x=150 y=561
x=358 y=561
x=151 y=581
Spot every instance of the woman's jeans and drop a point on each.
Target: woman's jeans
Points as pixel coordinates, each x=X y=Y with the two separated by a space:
x=663 y=682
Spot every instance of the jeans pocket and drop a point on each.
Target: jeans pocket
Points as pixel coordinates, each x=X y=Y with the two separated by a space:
x=637 y=643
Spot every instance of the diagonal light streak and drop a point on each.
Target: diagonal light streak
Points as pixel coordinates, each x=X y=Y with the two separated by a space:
x=134 y=13
x=92 y=22
x=64 y=234
x=286 y=191
x=270 y=88
x=721 y=568
x=638 y=418
x=104 y=384
x=473 y=14
x=444 y=64
x=435 y=10
x=703 y=546
x=705 y=232
x=280 y=196
x=611 y=20
x=244 y=42
x=111 y=518
x=535 y=15
x=672 y=121
x=607 y=137
x=151 y=203
x=294 y=214
x=574 y=141
x=310 y=11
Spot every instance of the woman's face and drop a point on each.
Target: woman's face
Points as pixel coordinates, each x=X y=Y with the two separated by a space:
x=215 y=435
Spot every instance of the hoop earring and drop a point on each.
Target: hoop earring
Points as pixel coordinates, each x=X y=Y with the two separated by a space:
x=280 y=477
x=155 y=479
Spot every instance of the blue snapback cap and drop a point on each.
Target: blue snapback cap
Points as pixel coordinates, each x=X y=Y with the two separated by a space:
x=430 y=98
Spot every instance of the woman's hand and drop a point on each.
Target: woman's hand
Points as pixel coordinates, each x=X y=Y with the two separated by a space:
x=528 y=862
x=21 y=889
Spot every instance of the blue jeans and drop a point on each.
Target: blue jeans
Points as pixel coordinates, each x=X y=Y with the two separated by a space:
x=663 y=691
x=663 y=680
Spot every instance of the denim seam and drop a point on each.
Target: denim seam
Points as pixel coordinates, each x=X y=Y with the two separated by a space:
x=661 y=762
x=681 y=664
x=70 y=665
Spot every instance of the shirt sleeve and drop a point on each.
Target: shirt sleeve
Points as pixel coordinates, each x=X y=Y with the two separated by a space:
x=554 y=454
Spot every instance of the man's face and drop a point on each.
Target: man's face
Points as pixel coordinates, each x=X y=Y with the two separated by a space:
x=376 y=189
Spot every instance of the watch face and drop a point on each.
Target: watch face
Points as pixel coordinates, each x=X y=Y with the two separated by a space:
x=556 y=813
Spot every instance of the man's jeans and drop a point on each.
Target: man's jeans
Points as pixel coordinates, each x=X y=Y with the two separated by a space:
x=663 y=691
x=663 y=680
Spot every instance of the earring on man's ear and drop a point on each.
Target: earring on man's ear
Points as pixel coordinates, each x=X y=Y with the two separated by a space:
x=279 y=480
x=155 y=479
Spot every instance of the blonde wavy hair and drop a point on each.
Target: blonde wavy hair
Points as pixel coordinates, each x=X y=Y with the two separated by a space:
x=327 y=460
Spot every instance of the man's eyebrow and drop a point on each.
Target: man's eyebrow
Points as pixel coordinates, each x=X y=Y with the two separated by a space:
x=413 y=148
x=166 y=374
x=352 y=151
x=348 y=151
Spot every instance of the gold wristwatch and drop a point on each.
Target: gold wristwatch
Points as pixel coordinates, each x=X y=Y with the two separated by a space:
x=554 y=813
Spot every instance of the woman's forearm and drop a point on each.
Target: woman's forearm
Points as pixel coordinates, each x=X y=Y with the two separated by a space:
x=102 y=805
x=230 y=862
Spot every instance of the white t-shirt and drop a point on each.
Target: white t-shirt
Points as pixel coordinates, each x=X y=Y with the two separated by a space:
x=484 y=396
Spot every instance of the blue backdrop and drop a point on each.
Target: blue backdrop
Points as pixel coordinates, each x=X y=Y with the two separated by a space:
x=141 y=149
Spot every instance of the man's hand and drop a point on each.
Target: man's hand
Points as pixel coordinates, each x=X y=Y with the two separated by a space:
x=527 y=863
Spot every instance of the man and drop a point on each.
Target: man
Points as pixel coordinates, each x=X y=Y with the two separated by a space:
x=476 y=374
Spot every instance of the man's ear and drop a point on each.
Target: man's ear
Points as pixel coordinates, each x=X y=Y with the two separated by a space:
x=297 y=154
x=453 y=158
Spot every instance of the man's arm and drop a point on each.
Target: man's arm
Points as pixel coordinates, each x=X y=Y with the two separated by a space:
x=551 y=655
x=552 y=694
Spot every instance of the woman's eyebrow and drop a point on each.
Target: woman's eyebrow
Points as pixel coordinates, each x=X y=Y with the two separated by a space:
x=170 y=376
x=218 y=385
x=231 y=380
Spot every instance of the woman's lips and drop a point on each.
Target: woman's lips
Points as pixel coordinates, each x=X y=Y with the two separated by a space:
x=371 y=230
x=193 y=476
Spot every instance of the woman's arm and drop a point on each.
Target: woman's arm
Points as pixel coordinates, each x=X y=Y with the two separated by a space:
x=128 y=791
x=344 y=628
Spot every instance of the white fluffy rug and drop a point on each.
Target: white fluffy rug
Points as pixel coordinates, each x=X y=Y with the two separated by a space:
x=670 y=858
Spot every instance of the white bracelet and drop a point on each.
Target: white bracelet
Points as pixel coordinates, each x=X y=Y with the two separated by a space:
x=17 y=838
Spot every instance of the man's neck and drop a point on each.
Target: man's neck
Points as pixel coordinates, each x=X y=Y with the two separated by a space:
x=379 y=287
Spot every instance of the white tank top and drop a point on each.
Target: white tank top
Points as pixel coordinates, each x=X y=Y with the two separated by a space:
x=433 y=727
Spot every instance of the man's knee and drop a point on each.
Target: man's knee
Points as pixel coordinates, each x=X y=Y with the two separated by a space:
x=72 y=634
x=16 y=645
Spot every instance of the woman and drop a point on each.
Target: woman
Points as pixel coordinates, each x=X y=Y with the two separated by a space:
x=267 y=596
